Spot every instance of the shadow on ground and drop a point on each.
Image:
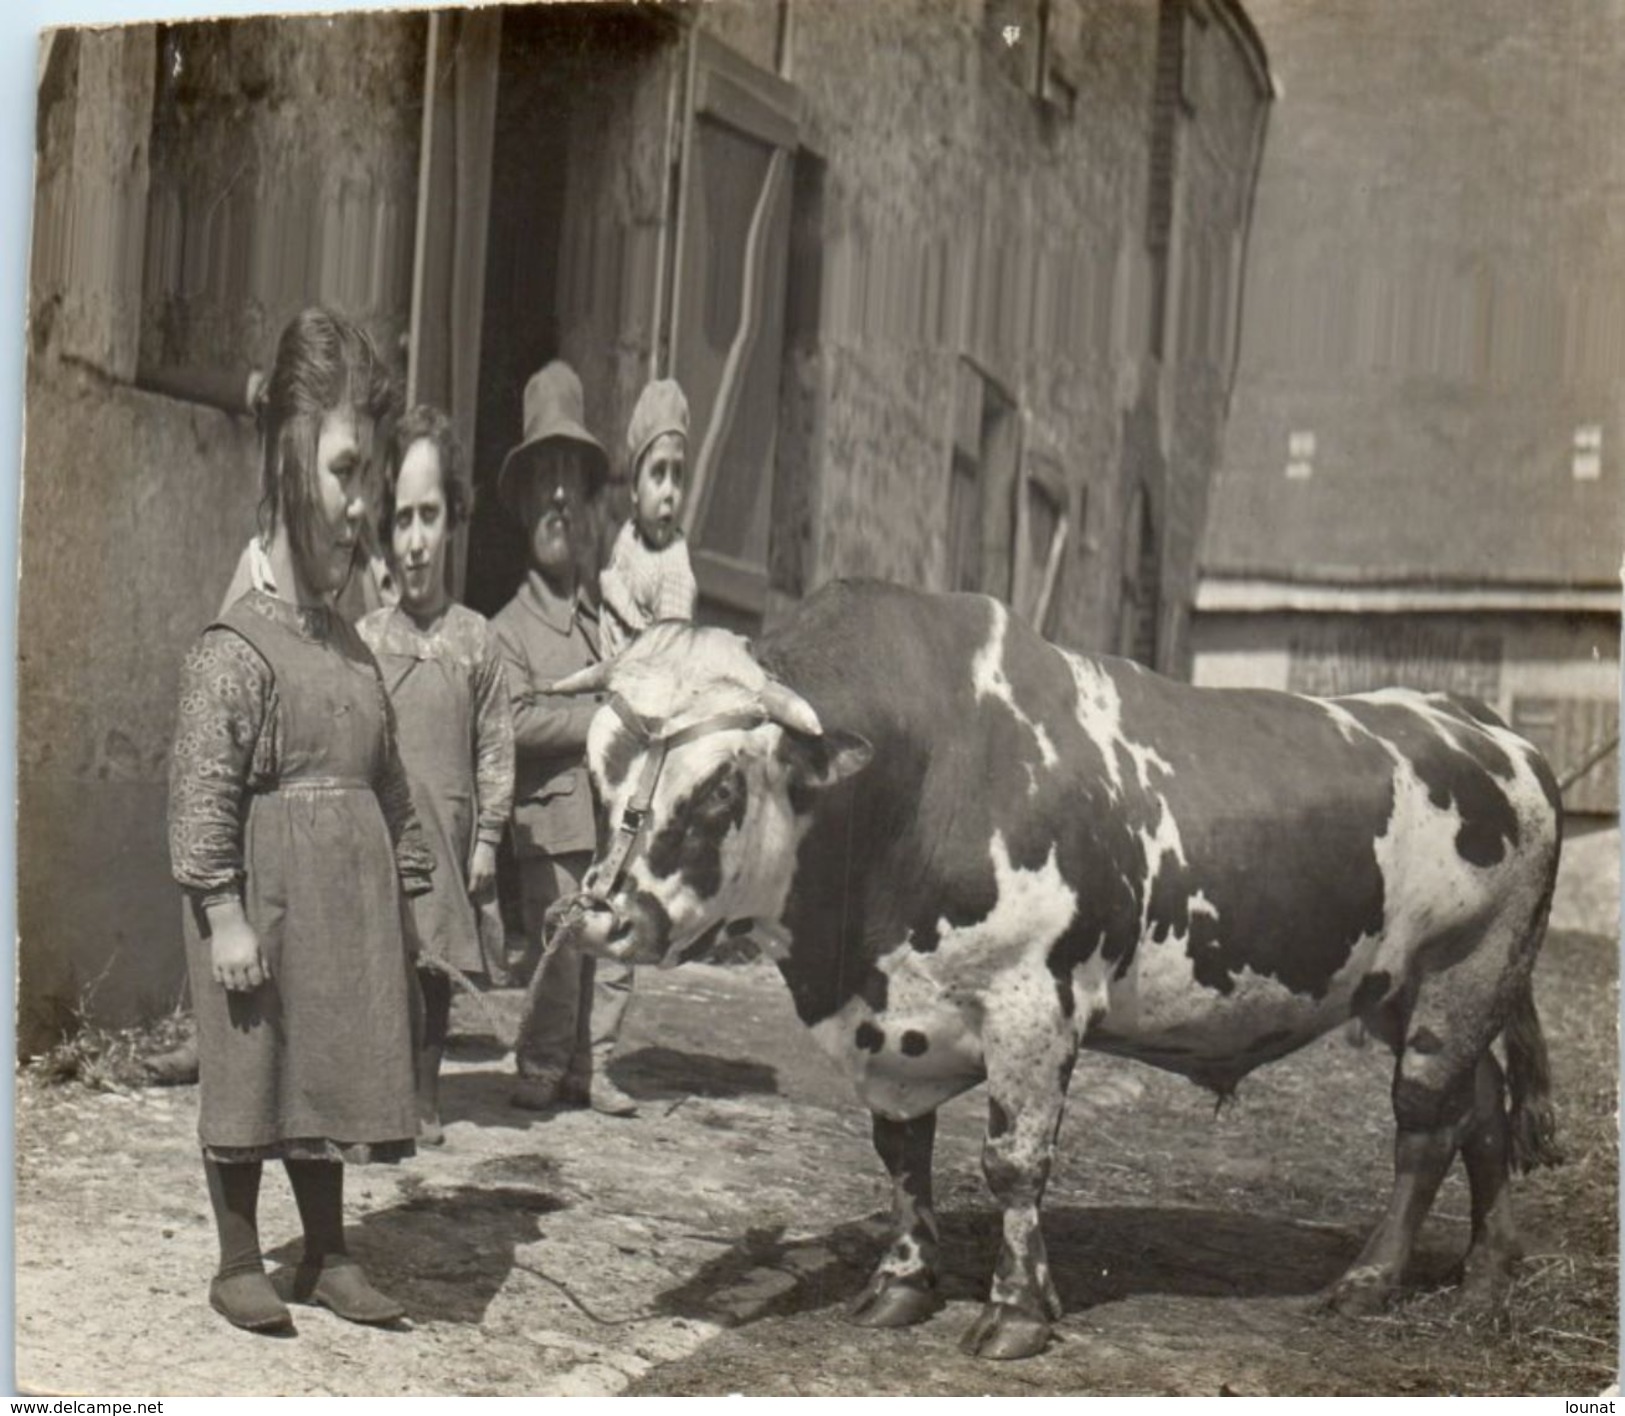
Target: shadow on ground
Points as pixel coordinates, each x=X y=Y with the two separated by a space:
x=1098 y=1255
x=448 y=1253
x=653 y=1075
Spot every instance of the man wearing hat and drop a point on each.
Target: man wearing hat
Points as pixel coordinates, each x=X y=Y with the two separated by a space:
x=574 y=1004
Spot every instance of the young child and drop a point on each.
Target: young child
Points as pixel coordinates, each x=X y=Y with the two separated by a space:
x=443 y=671
x=292 y=832
x=648 y=577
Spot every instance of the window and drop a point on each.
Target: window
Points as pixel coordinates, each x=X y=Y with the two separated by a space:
x=728 y=319
x=249 y=217
x=965 y=486
x=981 y=509
x=1587 y=463
x=1195 y=21
x=1014 y=33
x=1036 y=44
x=1042 y=529
x=1141 y=604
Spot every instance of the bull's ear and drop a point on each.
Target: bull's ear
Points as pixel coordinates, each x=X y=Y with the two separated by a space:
x=819 y=762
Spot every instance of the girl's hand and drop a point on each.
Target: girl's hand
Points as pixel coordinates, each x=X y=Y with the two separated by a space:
x=239 y=963
x=482 y=870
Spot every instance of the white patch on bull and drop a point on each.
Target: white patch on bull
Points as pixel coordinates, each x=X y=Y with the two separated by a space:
x=1428 y=886
x=1428 y=889
x=1352 y=728
x=1100 y=715
x=991 y=681
x=945 y=992
x=1159 y=844
x=1031 y=908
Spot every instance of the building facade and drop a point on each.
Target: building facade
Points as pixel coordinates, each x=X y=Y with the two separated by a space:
x=954 y=291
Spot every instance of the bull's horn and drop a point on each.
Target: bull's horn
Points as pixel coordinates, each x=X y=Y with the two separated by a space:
x=785 y=705
x=592 y=679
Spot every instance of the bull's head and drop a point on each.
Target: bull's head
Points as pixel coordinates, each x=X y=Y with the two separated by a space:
x=705 y=771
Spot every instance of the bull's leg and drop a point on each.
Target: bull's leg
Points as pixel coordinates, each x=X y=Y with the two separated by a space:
x=903 y=1287
x=1493 y=1251
x=1027 y=1080
x=1435 y=1081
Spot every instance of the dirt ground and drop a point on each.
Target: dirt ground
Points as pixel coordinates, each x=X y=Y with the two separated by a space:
x=708 y=1245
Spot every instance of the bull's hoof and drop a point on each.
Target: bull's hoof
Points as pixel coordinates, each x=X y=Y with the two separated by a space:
x=890 y=1304
x=1360 y=1293
x=1486 y=1288
x=1002 y=1333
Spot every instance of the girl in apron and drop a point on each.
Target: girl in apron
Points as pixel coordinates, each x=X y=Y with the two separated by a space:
x=292 y=834
x=443 y=670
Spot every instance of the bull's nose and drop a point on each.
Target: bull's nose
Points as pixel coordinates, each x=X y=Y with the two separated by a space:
x=585 y=919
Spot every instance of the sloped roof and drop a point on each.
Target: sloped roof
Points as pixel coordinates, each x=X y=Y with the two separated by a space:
x=1433 y=336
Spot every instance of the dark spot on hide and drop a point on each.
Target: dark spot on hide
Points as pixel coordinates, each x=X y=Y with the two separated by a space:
x=1474 y=710
x=1067 y=997
x=1459 y=768
x=650 y=920
x=869 y=1037
x=915 y=1043
x=1373 y=988
x=1425 y=1042
x=874 y=990
x=689 y=843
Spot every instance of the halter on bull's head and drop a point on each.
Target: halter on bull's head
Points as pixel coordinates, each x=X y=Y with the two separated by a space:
x=703 y=767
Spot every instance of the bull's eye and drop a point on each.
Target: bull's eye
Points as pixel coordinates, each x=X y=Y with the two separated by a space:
x=722 y=799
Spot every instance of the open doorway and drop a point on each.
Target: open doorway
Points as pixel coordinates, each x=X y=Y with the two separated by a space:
x=556 y=65
x=519 y=332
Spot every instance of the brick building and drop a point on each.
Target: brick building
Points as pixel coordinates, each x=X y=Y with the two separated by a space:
x=1421 y=480
x=953 y=288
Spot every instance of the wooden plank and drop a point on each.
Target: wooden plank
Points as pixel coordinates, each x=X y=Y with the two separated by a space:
x=734 y=91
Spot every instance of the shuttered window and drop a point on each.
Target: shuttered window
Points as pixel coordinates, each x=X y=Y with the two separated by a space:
x=728 y=318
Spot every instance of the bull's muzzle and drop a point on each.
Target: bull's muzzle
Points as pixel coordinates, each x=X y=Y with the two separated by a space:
x=587 y=921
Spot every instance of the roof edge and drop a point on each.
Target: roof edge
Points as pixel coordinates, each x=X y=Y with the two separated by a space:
x=1220 y=594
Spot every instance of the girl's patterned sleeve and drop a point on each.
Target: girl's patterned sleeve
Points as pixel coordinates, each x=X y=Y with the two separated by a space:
x=413 y=858
x=493 y=742
x=227 y=697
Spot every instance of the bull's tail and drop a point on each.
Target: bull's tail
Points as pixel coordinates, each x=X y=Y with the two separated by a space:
x=1529 y=1077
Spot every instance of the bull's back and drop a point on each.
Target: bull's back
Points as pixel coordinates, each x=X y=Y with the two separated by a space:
x=1213 y=871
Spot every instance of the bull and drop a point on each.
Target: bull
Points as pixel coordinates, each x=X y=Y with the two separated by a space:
x=974 y=853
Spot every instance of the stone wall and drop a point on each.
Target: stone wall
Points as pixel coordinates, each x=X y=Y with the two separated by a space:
x=136 y=505
x=963 y=219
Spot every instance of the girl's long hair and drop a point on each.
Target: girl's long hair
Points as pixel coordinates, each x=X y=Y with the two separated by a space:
x=324 y=362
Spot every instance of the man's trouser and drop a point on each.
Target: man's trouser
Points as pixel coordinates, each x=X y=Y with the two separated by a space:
x=574 y=1003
